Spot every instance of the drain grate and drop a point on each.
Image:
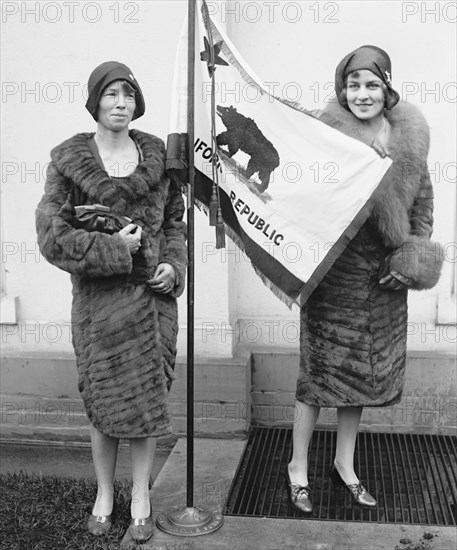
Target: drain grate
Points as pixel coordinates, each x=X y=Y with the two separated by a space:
x=413 y=477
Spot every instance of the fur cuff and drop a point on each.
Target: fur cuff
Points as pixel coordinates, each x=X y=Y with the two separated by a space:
x=420 y=260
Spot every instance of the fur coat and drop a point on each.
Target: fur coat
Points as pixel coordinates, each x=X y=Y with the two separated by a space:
x=353 y=333
x=124 y=334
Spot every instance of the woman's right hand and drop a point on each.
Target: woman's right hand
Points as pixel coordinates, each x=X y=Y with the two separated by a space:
x=131 y=235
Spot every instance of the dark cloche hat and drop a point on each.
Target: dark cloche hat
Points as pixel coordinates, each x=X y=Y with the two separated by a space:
x=103 y=75
x=373 y=59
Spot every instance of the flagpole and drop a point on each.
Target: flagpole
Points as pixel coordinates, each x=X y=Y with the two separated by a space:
x=190 y=520
x=190 y=251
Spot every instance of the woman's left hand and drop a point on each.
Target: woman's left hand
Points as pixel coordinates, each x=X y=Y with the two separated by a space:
x=164 y=279
x=389 y=282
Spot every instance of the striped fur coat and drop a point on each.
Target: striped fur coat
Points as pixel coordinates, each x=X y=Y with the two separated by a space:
x=124 y=334
x=353 y=333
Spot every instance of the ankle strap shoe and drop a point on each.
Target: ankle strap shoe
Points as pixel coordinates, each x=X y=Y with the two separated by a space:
x=357 y=491
x=300 y=496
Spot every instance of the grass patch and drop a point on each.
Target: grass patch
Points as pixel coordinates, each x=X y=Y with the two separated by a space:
x=50 y=513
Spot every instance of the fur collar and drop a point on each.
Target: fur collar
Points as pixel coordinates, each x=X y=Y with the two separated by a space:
x=410 y=132
x=75 y=161
x=408 y=147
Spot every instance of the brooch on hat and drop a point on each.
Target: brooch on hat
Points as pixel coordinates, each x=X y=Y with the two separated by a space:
x=388 y=79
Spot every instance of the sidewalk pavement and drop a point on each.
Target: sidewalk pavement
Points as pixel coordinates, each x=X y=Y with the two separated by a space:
x=215 y=465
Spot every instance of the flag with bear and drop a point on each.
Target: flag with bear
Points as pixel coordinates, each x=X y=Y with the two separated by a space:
x=292 y=191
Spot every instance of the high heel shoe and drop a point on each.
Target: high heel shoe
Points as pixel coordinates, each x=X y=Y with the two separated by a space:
x=99 y=525
x=357 y=491
x=142 y=529
x=300 y=496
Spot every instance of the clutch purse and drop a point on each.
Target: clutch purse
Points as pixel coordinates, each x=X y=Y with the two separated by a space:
x=96 y=217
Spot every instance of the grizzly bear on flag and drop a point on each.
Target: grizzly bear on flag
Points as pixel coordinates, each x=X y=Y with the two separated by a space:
x=243 y=134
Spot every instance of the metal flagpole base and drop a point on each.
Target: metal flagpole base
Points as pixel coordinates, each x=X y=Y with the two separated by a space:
x=189 y=522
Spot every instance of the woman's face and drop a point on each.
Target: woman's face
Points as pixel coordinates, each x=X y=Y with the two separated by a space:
x=116 y=107
x=365 y=94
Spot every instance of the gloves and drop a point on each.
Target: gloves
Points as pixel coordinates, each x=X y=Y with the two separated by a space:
x=390 y=279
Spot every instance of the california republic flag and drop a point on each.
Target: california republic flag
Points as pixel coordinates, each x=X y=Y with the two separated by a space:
x=293 y=191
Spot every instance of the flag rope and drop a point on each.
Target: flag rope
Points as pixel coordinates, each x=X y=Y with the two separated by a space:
x=215 y=211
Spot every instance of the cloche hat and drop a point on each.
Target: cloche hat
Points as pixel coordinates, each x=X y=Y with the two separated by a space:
x=373 y=59
x=102 y=76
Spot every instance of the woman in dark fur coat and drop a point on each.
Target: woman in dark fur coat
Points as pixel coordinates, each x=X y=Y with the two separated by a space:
x=353 y=327
x=125 y=284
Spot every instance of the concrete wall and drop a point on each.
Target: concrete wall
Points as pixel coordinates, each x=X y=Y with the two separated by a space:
x=40 y=398
x=428 y=405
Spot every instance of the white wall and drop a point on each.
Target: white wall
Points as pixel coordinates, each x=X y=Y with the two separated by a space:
x=47 y=49
x=48 y=54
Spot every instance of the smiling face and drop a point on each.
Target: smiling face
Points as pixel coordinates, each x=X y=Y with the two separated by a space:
x=117 y=106
x=365 y=95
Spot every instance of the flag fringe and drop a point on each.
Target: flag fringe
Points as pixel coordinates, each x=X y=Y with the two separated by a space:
x=220 y=39
x=217 y=37
x=280 y=294
x=291 y=303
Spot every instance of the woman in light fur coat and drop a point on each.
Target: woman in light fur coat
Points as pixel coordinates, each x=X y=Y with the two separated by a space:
x=125 y=285
x=353 y=327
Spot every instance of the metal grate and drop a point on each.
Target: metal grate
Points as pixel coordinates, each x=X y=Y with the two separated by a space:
x=413 y=477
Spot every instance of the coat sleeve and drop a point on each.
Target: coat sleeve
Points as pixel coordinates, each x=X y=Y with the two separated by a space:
x=419 y=258
x=174 y=228
x=79 y=252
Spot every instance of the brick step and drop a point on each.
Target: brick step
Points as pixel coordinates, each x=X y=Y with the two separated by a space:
x=40 y=400
x=429 y=403
x=20 y=409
